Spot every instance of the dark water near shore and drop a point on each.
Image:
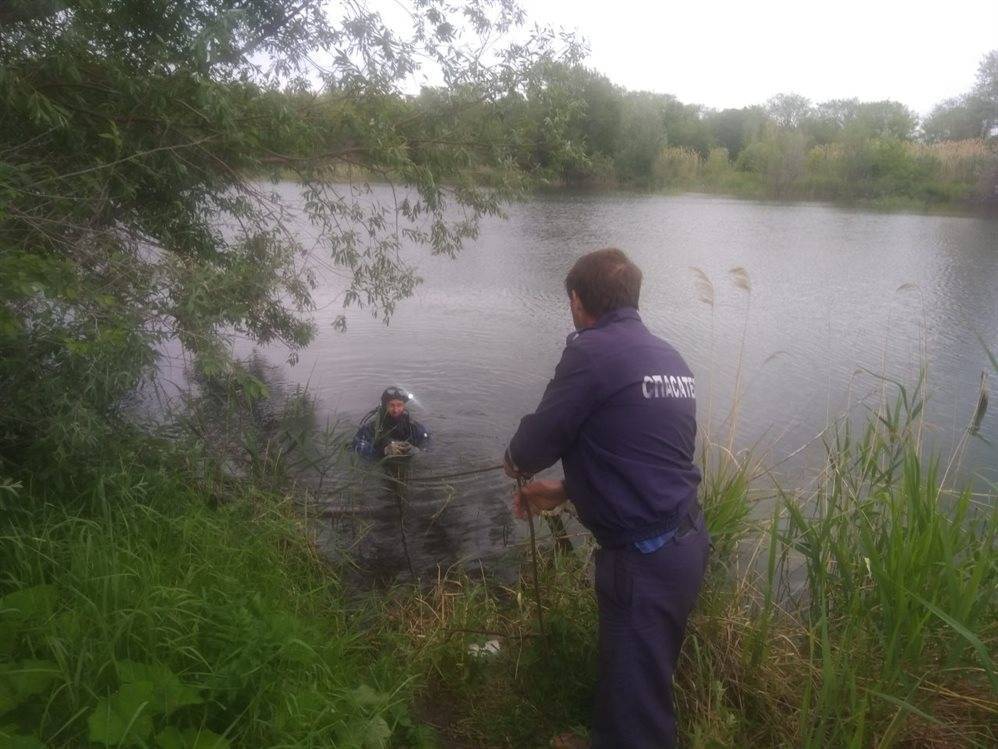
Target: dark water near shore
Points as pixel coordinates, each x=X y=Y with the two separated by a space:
x=838 y=296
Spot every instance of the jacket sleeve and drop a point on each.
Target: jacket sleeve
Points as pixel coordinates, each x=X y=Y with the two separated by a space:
x=546 y=435
x=420 y=435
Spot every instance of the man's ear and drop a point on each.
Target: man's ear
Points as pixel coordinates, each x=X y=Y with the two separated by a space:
x=579 y=309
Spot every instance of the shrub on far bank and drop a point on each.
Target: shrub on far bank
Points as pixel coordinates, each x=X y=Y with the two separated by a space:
x=879 y=171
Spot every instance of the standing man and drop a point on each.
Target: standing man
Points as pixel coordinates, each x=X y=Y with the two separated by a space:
x=620 y=413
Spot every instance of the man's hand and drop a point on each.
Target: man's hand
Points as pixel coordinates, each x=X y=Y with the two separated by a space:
x=537 y=497
x=510 y=469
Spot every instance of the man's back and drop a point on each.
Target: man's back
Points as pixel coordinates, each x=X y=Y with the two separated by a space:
x=621 y=413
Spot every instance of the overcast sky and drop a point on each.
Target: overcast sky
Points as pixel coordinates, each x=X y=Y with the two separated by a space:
x=731 y=54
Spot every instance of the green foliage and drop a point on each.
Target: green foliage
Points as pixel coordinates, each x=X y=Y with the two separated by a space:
x=13 y=740
x=17 y=609
x=675 y=166
x=734 y=129
x=789 y=111
x=895 y=566
x=850 y=119
x=868 y=622
x=147 y=692
x=133 y=140
x=971 y=115
x=169 y=693
x=173 y=738
x=642 y=135
x=125 y=717
x=23 y=680
x=142 y=616
x=842 y=149
x=139 y=615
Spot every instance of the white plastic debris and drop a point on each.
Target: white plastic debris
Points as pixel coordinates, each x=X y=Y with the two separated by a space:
x=490 y=647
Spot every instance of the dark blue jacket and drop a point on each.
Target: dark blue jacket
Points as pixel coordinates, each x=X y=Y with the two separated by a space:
x=621 y=414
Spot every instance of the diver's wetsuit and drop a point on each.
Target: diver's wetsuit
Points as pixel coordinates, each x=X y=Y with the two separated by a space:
x=378 y=429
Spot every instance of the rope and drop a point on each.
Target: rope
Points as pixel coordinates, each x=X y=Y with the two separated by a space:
x=405 y=543
x=424 y=479
x=533 y=554
x=443 y=476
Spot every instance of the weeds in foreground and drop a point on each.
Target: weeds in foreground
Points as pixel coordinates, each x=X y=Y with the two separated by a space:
x=862 y=614
x=139 y=613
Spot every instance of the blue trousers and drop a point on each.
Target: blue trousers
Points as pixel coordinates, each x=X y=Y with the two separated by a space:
x=644 y=602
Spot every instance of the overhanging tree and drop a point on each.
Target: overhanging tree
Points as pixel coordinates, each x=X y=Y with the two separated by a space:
x=133 y=137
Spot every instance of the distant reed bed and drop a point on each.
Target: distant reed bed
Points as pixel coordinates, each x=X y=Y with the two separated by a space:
x=873 y=170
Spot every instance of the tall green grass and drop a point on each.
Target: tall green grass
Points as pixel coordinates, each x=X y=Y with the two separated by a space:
x=138 y=614
x=859 y=612
x=899 y=596
x=150 y=607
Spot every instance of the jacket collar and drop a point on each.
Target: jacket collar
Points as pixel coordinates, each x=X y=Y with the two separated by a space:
x=613 y=316
x=617 y=315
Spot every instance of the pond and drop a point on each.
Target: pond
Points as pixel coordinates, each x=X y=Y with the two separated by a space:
x=840 y=298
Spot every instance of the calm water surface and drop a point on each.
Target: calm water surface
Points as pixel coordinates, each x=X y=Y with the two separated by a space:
x=837 y=297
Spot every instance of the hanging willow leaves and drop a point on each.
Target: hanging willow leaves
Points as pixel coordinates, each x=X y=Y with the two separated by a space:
x=136 y=141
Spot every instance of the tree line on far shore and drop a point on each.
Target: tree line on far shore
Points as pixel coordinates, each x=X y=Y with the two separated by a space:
x=583 y=129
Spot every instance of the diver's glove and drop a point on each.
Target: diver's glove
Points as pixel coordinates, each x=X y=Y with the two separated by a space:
x=398 y=448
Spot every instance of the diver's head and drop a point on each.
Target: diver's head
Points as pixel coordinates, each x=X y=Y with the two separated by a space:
x=393 y=402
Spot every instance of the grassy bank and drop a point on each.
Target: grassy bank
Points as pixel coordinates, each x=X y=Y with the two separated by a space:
x=140 y=614
x=143 y=610
x=861 y=614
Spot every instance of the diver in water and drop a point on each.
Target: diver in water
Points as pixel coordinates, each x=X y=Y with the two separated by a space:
x=388 y=430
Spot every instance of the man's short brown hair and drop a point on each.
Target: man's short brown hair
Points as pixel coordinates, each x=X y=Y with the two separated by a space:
x=605 y=280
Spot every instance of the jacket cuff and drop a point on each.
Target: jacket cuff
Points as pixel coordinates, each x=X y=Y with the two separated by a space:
x=513 y=464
